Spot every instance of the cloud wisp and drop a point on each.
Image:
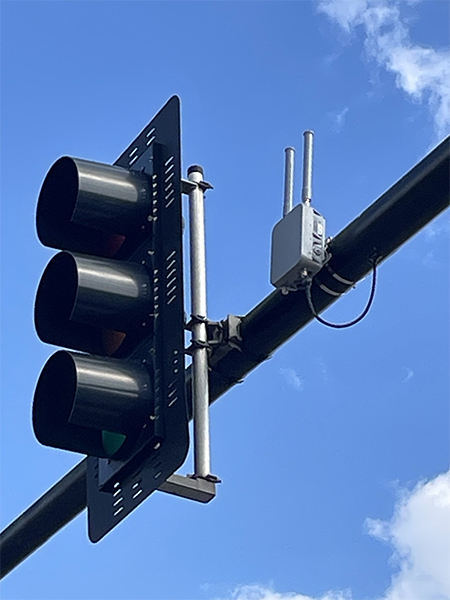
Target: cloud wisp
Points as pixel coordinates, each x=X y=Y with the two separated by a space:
x=292 y=378
x=260 y=592
x=421 y=72
x=435 y=235
x=337 y=119
x=437 y=229
x=409 y=374
x=419 y=536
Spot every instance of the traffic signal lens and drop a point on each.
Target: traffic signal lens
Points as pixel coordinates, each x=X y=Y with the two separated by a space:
x=112 y=442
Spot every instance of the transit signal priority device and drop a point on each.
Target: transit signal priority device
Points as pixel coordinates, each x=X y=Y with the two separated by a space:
x=299 y=245
x=298 y=240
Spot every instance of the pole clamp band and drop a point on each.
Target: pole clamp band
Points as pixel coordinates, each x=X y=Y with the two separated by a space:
x=195 y=319
x=328 y=291
x=338 y=277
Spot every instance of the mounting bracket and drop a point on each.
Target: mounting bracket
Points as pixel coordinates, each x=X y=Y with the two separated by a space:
x=201 y=486
x=192 y=488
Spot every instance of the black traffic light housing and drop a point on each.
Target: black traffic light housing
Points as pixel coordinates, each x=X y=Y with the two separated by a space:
x=115 y=294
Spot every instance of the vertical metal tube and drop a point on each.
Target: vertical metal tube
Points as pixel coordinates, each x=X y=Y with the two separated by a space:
x=200 y=387
x=288 y=181
x=307 y=166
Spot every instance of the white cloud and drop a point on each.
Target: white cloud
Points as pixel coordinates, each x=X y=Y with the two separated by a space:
x=423 y=73
x=261 y=592
x=429 y=261
x=292 y=378
x=409 y=374
x=419 y=536
x=419 y=533
x=439 y=227
x=338 y=119
x=436 y=231
x=331 y=58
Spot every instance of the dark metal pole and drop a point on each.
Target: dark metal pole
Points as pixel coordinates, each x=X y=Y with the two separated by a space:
x=57 y=507
x=380 y=230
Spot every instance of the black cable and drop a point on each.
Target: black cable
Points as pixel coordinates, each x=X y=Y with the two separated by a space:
x=351 y=323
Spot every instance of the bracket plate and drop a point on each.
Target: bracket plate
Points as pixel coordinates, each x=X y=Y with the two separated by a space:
x=116 y=487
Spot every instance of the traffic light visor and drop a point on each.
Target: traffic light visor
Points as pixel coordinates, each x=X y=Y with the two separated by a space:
x=89 y=303
x=87 y=207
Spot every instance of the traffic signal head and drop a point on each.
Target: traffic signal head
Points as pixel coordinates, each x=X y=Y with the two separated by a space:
x=94 y=304
x=115 y=295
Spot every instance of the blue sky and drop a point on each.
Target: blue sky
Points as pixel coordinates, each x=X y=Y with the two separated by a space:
x=333 y=454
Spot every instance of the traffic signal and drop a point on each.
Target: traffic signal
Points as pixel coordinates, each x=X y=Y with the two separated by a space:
x=115 y=296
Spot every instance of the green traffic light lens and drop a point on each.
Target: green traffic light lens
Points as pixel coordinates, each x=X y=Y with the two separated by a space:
x=112 y=442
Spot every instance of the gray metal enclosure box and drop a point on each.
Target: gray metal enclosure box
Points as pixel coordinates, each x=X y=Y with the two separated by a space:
x=298 y=246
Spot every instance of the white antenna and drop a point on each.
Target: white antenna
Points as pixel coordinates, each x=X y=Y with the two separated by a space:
x=288 y=181
x=307 y=166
